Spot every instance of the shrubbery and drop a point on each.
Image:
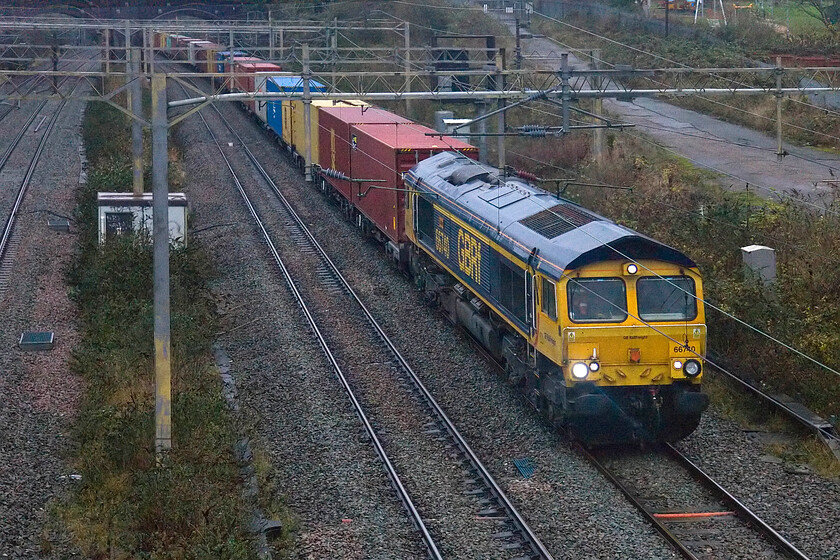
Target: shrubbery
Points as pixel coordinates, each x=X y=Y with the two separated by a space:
x=192 y=507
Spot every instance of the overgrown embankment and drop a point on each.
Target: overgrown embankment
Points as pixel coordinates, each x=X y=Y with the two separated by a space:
x=126 y=506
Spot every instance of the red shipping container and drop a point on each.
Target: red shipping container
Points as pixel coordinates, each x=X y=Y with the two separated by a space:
x=244 y=81
x=385 y=152
x=334 y=137
x=202 y=52
x=225 y=67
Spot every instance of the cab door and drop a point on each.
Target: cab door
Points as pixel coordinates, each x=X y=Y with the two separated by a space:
x=530 y=303
x=548 y=338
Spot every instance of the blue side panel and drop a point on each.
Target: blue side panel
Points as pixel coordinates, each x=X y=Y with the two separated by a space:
x=463 y=253
x=284 y=84
x=274 y=110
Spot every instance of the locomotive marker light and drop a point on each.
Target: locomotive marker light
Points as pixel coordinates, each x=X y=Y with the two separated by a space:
x=632 y=268
x=678 y=364
x=580 y=370
x=692 y=368
x=594 y=366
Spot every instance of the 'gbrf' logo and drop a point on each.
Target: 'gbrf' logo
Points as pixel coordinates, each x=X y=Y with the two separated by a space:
x=469 y=255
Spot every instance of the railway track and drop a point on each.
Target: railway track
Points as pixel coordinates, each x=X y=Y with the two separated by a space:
x=26 y=86
x=448 y=493
x=10 y=237
x=692 y=511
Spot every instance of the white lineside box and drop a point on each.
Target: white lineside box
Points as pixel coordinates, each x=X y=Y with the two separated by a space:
x=123 y=213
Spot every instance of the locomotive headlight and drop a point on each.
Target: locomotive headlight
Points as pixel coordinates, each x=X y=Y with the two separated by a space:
x=580 y=370
x=678 y=364
x=594 y=366
x=692 y=368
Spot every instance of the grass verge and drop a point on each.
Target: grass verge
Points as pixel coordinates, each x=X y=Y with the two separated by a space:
x=125 y=506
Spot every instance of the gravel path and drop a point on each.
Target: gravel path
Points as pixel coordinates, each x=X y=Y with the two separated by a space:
x=326 y=471
x=38 y=393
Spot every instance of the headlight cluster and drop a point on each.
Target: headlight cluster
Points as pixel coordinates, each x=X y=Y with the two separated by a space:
x=691 y=368
x=580 y=370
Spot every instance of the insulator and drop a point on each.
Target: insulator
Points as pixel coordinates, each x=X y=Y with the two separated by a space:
x=533 y=130
x=334 y=174
x=527 y=176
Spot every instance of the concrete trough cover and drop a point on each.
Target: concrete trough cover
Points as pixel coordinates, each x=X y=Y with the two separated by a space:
x=59 y=224
x=812 y=417
x=525 y=466
x=31 y=340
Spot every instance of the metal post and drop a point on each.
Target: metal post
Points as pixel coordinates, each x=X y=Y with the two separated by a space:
x=780 y=153
x=567 y=94
x=307 y=115
x=127 y=42
x=230 y=60
x=500 y=85
x=518 y=47
x=107 y=54
x=481 y=107
x=334 y=44
x=145 y=47
x=136 y=108
x=407 y=58
x=282 y=47
x=270 y=38
x=151 y=54
x=667 y=16
x=160 y=207
x=598 y=109
x=229 y=78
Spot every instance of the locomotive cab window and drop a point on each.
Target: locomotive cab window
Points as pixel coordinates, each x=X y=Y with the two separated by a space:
x=666 y=299
x=549 y=299
x=597 y=300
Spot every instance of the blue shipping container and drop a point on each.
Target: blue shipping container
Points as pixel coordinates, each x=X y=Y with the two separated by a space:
x=284 y=84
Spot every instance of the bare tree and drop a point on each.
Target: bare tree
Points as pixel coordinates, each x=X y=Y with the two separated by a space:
x=827 y=11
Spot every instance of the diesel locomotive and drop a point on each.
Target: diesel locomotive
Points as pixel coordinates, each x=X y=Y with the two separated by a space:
x=602 y=327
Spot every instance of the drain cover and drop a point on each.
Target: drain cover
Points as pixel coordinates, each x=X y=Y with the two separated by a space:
x=525 y=466
x=37 y=340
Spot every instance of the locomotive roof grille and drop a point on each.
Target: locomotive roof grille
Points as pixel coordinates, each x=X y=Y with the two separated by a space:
x=557 y=220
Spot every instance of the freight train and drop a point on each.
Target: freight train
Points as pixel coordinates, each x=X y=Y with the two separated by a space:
x=601 y=327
